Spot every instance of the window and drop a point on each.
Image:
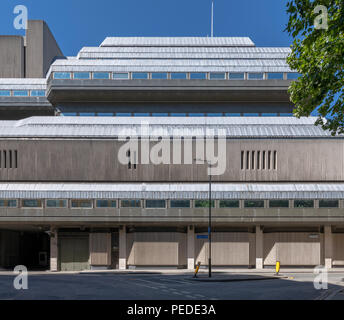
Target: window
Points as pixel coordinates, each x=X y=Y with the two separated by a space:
x=83 y=203
x=101 y=114
x=9 y=159
x=286 y=114
x=217 y=76
x=140 y=75
x=31 y=203
x=120 y=76
x=269 y=114
x=130 y=203
x=255 y=76
x=198 y=76
x=328 y=203
x=155 y=204
x=55 y=203
x=101 y=75
x=229 y=203
x=82 y=75
x=120 y=114
x=196 y=114
x=37 y=93
x=236 y=76
x=293 y=76
x=160 y=114
x=178 y=75
x=278 y=203
x=214 y=114
x=69 y=114
x=254 y=203
x=257 y=160
x=141 y=114
x=5 y=93
x=178 y=114
x=303 y=203
x=106 y=203
x=20 y=93
x=233 y=114
x=159 y=75
x=87 y=114
x=62 y=75
x=275 y=75
x=251 y=114
x=180 y=203
x=8 y=203
x=204 y=204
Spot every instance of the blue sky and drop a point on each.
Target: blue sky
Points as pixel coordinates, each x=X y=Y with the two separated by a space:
x=78 y=23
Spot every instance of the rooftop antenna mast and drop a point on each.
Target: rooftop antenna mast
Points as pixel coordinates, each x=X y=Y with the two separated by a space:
x=212 y=18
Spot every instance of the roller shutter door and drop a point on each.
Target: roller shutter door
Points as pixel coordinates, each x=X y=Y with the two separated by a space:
x=74 y=253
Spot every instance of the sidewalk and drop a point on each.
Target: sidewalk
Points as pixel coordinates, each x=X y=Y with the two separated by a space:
x=173 y=271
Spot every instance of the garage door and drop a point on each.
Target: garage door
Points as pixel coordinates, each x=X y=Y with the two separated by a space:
x=292 y=248
x=74 y=253
x=227 y=249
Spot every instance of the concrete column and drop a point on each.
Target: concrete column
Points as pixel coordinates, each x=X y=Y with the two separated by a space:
x=53 y=250
x=122 y=263
x=191 y=247
x=259 y=248
x=328 y=246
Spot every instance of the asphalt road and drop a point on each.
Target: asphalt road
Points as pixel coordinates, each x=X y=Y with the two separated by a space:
x=111 y=286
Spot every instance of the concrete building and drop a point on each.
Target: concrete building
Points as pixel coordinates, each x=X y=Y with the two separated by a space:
x=68 y=202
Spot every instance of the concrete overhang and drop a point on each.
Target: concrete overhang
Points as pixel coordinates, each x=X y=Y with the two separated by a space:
x=63 y=91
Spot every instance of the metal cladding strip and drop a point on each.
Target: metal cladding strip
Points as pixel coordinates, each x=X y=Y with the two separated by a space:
x=177 y=41
x=170 y=191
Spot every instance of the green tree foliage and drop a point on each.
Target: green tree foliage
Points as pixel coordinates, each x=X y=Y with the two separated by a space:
x=318 y=54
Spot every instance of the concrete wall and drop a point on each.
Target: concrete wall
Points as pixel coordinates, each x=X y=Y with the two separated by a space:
x=338 y=249
x=100 y=249
x=293 y=249
x=11 y=57
x=41 y=49
x=97 y=160
x=228 y=248
x=156 y=248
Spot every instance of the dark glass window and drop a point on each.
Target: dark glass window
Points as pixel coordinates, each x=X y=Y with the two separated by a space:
x=62 y=75
x=279 y=203
x=236 y=76
x=159 y=75
x=255 y=76
x=254 y=203
x=198 y=76
x=101 y=75
x=37 y=93
x=204 y=203
x=140 y=75
x=106 y=203
x=275 y=75
x=83 y=203
x=82 y=75
x=180 y=203
x=327 y=203
x=217 y=76
x=31 y=203
x=20 y=93
x=303 y=203
x=120 y=76
x=178 y=75
x=53 y=203
x=5 y=93
x=130 y=203
x=229 y=203
x=8 y=203
x=155 y=204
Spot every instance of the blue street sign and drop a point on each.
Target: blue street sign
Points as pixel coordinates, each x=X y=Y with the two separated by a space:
x=202 y=236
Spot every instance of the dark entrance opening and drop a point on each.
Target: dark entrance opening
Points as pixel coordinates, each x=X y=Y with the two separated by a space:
x=28 y=248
